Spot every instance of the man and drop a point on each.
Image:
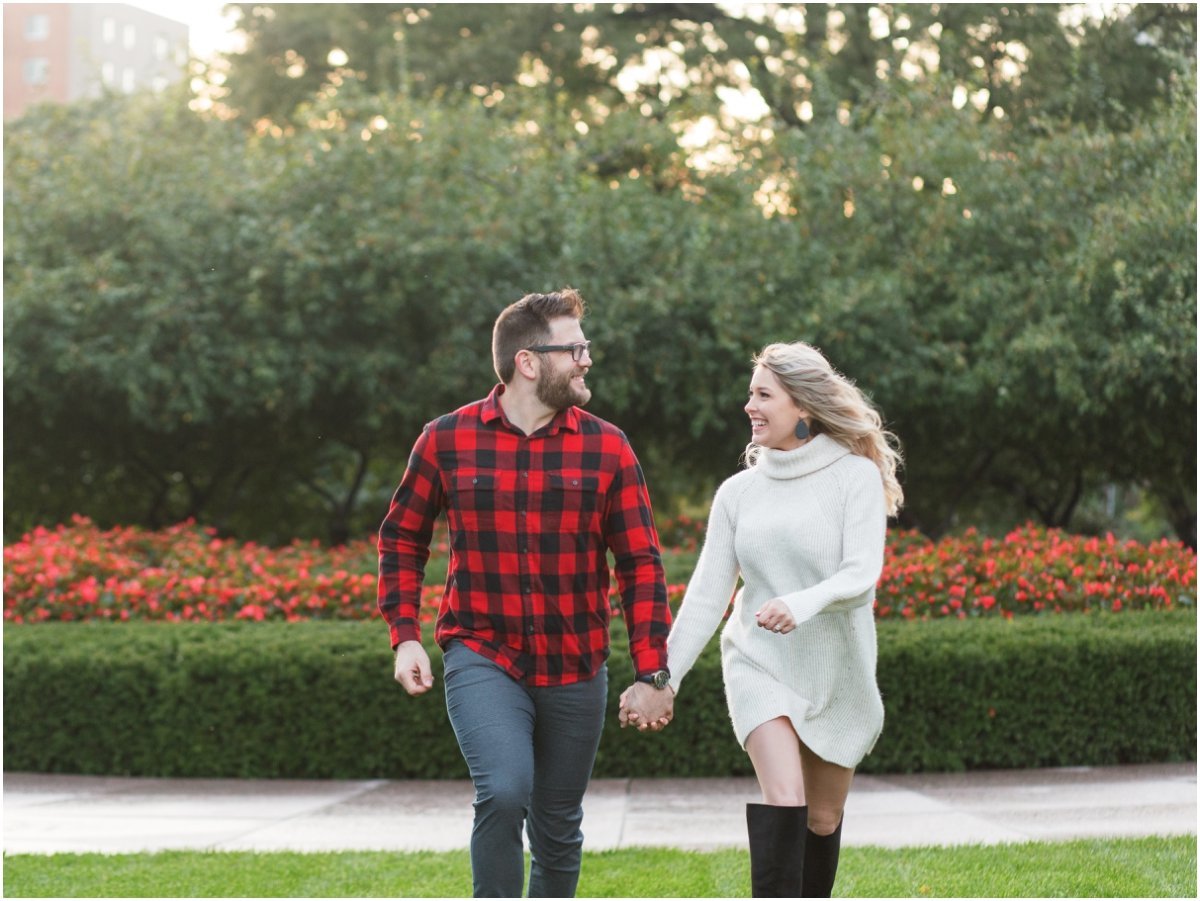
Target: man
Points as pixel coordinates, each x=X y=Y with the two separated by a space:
x=536 y=492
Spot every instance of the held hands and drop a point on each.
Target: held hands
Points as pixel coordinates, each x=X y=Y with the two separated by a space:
x=646 y=707
x=412 y=668
x=775 y=616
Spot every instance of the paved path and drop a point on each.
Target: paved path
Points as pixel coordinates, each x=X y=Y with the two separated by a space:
x=45 y=814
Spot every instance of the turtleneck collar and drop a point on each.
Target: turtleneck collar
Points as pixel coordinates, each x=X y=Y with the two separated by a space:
x=791 y=464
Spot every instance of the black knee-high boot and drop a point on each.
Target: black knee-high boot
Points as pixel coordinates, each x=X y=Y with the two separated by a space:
x=821 y=862
x=776 y=849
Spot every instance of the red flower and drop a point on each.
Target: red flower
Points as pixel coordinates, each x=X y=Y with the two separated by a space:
x=77 y=572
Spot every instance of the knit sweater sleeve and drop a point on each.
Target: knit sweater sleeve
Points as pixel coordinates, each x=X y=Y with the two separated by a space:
x=864 y=527
x=708 y=593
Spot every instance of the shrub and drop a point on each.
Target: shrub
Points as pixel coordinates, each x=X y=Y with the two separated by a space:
x=229 y=699
x=317 y=700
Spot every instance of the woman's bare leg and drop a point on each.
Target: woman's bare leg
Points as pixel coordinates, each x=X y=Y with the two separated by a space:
x=774 y=749
x=790 y=775
x=826 y=786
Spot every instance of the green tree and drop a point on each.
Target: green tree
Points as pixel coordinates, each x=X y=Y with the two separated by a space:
x=979 y=289
x=251 y=327
x=1034 y=63
x=130 y=355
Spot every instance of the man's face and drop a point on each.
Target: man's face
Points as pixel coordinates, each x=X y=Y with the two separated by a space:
x=560 y=381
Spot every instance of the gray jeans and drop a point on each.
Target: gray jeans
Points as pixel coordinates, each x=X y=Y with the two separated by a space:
x=530 y=751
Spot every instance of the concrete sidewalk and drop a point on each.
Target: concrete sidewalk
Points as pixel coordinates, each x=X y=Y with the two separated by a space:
x=47 y=814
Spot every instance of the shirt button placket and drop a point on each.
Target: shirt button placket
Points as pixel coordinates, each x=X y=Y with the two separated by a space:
x=522 y=537
x=524 y=573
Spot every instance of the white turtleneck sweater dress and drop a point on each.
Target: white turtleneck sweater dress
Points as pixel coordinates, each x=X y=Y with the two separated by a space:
x=806 y=526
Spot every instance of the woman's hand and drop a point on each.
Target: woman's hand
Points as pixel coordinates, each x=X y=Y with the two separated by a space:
x=775 y=616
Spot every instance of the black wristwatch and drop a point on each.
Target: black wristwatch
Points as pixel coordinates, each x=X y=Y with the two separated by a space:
x=660 y=679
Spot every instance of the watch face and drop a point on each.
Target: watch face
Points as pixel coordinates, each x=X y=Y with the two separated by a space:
x=662 y=679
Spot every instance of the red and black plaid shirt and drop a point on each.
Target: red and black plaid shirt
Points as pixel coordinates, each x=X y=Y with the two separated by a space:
x=531 y=520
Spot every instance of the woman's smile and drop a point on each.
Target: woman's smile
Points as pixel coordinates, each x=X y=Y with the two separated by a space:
x=773 y=414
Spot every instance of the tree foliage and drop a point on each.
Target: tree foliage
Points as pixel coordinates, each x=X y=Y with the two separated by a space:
x=250 y=325
x=1035 y=64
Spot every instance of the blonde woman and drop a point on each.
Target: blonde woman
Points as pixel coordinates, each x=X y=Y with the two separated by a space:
x=804 y=526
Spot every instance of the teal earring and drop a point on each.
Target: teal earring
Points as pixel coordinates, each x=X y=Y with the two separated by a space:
x=802 y=430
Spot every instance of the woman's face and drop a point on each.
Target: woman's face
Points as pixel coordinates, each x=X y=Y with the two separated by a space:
x=773 y=414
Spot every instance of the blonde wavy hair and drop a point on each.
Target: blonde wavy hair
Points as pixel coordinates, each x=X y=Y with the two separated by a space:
x=836 y=408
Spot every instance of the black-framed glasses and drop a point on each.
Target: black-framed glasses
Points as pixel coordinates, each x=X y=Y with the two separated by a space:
x=576 y=350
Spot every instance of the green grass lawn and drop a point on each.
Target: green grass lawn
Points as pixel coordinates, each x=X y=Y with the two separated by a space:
x=1138 y=868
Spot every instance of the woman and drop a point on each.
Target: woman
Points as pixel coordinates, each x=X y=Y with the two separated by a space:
x=804 y=526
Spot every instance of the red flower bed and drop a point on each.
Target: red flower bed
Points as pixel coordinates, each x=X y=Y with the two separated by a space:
x=79 y=572
x=185 y=572
x=1031 y=570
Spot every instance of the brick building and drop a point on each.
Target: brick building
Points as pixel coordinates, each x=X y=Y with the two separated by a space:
x=60 y=52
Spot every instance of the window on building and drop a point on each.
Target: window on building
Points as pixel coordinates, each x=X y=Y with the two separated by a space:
x=37 y=70
x=128 y=80
x=37 y=28
x=108 y=74
x=108 y=30
x=129 y=36
x=162 y=47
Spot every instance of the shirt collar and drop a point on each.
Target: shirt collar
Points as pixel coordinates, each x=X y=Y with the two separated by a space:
x=567 y=419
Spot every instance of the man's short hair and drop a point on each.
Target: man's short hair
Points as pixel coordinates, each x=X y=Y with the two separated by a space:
x=527 y=323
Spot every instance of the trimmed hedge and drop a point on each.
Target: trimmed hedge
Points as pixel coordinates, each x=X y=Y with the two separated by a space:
x=317 y=700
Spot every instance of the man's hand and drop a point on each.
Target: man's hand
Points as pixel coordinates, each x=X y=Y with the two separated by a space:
x=775 y=616
x=412 y=668
x=646 y=707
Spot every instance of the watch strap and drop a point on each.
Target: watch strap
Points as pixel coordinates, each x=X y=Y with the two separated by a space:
x=658 y=678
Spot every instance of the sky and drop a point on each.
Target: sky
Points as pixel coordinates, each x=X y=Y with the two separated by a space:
x=208 y=30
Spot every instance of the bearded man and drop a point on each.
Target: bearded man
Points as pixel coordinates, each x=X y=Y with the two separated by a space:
x=536 y=493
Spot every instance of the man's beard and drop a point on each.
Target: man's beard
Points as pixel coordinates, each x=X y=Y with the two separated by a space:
x=556 y=392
